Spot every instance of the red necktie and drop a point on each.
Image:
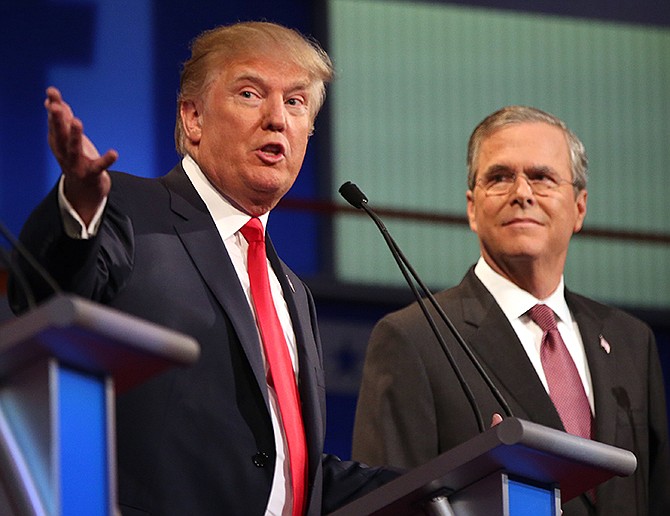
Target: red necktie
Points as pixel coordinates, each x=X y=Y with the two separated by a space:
x=565 y=386
x=280 y=370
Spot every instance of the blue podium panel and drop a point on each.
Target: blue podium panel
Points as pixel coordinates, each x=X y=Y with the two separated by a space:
x=55 y=426
x=499 y=495
x=526 y=499
x=83 y=443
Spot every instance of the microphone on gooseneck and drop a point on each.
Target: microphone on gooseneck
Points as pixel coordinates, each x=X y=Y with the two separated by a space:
x=23 y=284
x=354 y=196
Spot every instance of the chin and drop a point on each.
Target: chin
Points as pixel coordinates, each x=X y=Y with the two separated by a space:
x=272 y=182
x=263 y=201
x=522 y=254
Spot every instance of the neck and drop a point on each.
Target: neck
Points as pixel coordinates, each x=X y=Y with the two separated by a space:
x=535 y=278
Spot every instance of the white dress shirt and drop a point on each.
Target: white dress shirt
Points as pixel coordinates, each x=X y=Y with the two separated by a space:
x=515 y=303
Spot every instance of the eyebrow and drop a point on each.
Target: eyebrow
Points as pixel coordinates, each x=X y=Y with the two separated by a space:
x=535 y=169
x=301 y=85
x=495 y=169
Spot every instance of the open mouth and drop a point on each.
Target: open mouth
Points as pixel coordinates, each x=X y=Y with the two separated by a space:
x=271 y=153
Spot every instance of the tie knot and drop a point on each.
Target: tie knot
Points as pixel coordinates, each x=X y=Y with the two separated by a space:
x=253 y=231
x=543 y=316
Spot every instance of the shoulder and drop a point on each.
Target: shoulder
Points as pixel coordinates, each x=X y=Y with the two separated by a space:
x=126 y=181
x=610 y=317
x=450 y=299
x=129 y=185
x=134 y=192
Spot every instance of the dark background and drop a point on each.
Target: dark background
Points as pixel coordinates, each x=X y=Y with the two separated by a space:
x=38 y=35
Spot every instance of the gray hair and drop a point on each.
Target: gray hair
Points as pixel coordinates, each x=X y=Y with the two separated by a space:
x=521 y=114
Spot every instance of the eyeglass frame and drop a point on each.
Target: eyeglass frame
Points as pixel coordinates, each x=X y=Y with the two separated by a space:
x=533 y=183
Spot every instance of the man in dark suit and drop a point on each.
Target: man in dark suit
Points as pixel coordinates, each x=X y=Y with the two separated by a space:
x=526 y=198
x=210 y=439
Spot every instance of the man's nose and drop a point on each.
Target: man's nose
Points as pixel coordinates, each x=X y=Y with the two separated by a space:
x=522 y=189
x=274 y=114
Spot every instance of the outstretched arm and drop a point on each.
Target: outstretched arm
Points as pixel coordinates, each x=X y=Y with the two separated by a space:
x=86 y=180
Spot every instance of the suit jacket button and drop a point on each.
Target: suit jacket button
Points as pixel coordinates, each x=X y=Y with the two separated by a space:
x=260 y=459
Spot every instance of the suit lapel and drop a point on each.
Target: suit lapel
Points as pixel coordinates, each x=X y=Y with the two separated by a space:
x=202 y=241
x=497 y=346
x=602 y=366
x=311 y=381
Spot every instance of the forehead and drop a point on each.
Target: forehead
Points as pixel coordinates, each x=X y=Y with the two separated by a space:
x=270 y=66
x=526 y=144
x=265 y=70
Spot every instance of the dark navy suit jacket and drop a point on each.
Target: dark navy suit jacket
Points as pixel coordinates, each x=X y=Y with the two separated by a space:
x=197 y=440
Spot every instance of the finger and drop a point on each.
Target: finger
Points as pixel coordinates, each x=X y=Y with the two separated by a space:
x=58 y=132
x=56 y=107
x=106 y=160
x=66 y=145
x=51 y=98
x=74 y=140
x=53 y=94
x=496 y=419
x=59 y=122
x=56 y=118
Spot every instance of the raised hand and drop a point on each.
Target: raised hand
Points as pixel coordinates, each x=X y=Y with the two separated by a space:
x=86 y=180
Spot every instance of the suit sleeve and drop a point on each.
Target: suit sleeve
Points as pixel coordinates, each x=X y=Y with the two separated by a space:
x=395 y=419
x=659 y=453
x=96 y=268
x=345 y=481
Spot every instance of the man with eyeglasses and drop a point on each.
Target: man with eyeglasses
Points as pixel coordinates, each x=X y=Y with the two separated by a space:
x=558 y=358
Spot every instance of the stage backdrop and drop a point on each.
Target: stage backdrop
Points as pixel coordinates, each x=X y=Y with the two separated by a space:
x=413 y=78
x=416 y=77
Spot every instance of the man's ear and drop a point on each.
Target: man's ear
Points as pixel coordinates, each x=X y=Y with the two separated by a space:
x=471 y=210
x=580 y=210
x=191 y=121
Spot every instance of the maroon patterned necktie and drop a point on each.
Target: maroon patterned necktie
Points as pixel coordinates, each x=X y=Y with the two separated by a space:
x=565 y=386
x=280 y=374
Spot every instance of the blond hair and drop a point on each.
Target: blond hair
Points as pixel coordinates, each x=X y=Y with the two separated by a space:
x=213 y=49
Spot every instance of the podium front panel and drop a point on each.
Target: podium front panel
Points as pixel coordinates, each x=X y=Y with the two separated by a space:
x=58 y=455
x=528 y=499
x=83 y=443
x=498 y=494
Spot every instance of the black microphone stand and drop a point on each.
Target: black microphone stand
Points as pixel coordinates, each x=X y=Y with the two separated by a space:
x=357 y=199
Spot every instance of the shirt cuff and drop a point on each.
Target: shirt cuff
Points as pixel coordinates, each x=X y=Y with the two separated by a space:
x=72 y=223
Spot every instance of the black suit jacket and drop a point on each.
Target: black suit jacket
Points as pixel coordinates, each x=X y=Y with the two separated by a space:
x=411 y=407
x=197 y=440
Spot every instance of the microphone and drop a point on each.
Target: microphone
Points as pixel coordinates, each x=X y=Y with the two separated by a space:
x=18 y=273
x=354 y=196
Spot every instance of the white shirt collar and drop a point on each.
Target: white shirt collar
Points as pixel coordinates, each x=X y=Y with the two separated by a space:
x=228 y=218
x=513 y=300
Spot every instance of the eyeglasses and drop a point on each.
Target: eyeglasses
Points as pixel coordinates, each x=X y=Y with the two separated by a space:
x=502 y=183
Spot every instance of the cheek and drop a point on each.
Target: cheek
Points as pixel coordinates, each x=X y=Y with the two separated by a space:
x=298 y=150
x=486 y=210
x=569 y=216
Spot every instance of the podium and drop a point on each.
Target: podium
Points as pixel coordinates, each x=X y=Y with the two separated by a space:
x=61 y=365
x=516 y=468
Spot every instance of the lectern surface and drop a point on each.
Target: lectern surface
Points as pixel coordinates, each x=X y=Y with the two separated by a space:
x=517 y=447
